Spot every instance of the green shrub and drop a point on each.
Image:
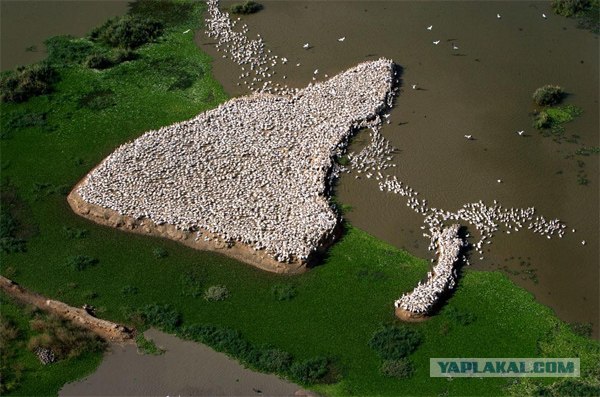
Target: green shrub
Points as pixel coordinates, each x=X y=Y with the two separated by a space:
x=147 y=346
x=310 y=371
x=460 y=316
x=283 y=292
x=216 y=293
x=122 y=55
x=89 y=295
x=393 y=343
x=81 y=262
x=191 y=284
x=249 y=7
x=583 y=329
x=98 y=61
x=548 y=95
x=570 y=8
x=400 y=369
x=162 y=316
x=127 y=32
x=67 y=50
x=19 y=120
x=271 y=360
x=542 y=120
x=9 y=242
x=160 y=252
x=129 y=290
x=98 y=99
x=75 y=233
x=27 y=82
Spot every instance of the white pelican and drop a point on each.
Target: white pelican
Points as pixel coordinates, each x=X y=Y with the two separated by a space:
x=544 y=16
x=437 y=42
x=469 y=137
x=429 y=27
x=498 y=16
x=521 y=133
x=454 y=46
x=414 y=86
x=306 y=46
x=342 y=39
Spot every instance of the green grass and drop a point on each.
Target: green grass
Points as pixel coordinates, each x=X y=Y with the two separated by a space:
x=337 y=307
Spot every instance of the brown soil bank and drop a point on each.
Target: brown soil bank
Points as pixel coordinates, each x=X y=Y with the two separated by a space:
x=239 y=251
x=106 y=329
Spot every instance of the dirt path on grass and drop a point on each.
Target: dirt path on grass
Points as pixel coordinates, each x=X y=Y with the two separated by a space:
x=108 y=330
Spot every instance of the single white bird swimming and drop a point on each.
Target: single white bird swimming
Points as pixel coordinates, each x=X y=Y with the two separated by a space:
x=498 y=16
x=437 y=42
x=306 y=45
x=342 y=39
x=469 y=137
x=454 y=46
x=187 y=31
x=544 y=16
x=414 y=86
x=429 y=27
x=297 y=64
x=316 y=71
x=500 y=181
x=521 y=133
x=583 y=242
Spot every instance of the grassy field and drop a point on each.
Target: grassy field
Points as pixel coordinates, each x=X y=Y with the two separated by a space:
x=332 y=311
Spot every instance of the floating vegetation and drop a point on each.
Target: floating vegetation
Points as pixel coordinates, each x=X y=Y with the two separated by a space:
x=249 y=7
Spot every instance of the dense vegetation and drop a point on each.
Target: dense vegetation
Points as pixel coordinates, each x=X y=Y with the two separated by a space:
x=27 y=82
x=249 y=7
x=548 y=95
x=586 y=12
x=314 y=328
x=22 y=330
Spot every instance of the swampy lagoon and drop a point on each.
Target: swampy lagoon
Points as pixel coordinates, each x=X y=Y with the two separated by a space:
x=484 y=89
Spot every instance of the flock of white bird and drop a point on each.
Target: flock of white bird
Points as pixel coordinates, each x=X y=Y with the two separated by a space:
x=422 y=299
x=254 y=170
